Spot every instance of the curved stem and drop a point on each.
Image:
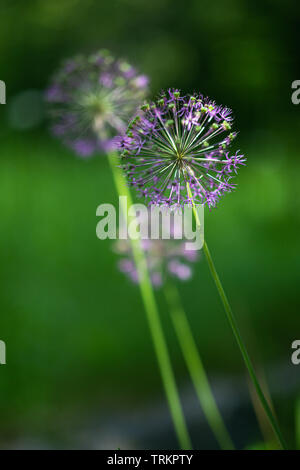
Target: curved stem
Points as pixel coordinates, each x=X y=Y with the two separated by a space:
x=195 y=366
x=153 y=318
x=242 y=347
x=236 y=332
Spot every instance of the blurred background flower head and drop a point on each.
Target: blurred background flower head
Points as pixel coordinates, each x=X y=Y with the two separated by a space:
x=165 y=257
x=92 y=99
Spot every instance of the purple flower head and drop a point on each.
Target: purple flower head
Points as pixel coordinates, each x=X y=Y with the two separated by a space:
x=164 y=257
x=91 y=100
x=177 y=150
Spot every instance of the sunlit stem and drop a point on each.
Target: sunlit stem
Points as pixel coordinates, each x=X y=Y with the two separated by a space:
x=262 y=419
x=195 y=366
x=153 y=316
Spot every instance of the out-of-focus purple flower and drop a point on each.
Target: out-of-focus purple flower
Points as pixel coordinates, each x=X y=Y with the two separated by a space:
x=142 y=81
x=91 y=100
x=165 y=257
x=55 y=94
x=84 y=147
x=176 y=152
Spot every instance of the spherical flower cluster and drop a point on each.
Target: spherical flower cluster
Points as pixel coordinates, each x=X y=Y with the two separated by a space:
x=176 y=152
x=164 y=257
x=92 y=99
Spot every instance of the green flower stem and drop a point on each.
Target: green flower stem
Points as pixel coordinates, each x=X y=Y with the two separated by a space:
x=195 y=367
x=153 y=318
x=236 y=332
x=263 y=421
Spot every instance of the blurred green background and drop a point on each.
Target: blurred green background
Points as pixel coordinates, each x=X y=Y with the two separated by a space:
x=80 y=366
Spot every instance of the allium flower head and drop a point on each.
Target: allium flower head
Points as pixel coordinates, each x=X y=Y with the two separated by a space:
x=178 y=150
x=164 y=257
x=92 y=99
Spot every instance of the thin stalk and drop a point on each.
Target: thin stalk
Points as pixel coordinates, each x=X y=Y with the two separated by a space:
x=195 y=366
x=262 y=419
x=236 y=332
x=156 y=330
